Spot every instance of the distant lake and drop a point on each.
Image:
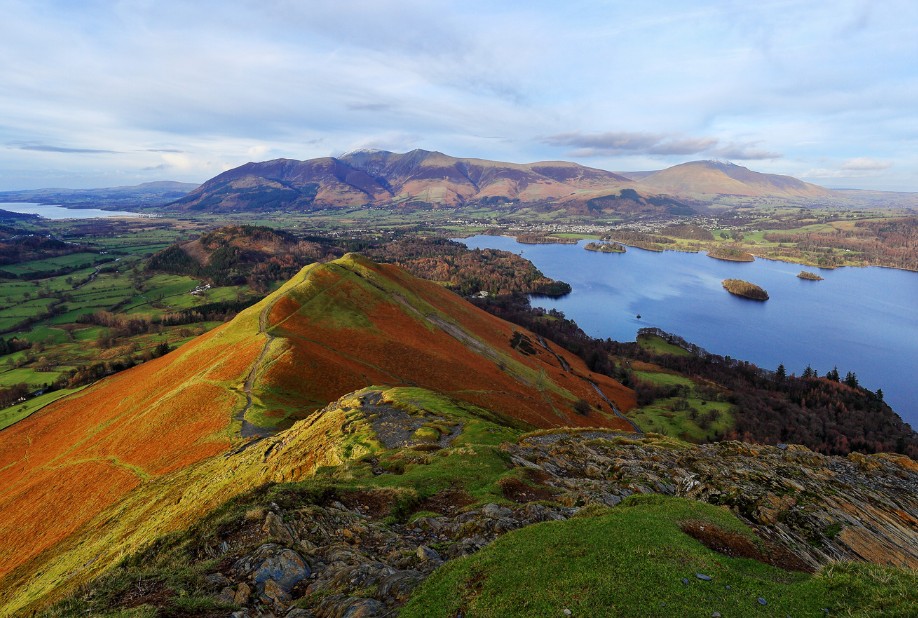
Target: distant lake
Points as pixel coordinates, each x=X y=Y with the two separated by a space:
x=863 y=320
x=59 y=212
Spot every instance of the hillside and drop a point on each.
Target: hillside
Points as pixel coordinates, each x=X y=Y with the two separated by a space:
x=236 y=254
x=135 y=443
x=440 y=505
x=698 y=178
x=387 y=178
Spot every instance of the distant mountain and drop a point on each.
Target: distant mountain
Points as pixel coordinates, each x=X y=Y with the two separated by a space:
x=146 y=194
x=717 y=178
x=421 y=177
x=386 y=178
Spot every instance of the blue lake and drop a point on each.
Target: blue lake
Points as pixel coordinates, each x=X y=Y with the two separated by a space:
x=858 y=319
x=59 y=212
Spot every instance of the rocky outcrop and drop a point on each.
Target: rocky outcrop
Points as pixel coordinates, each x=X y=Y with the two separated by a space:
x=346 y=558
x=334 y=560
x=821 y=508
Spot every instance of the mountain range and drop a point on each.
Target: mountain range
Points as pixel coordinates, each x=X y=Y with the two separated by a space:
x=382 y=178
x=426 y=178
x=149 y=194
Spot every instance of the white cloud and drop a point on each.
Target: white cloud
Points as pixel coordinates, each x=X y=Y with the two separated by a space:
x=865 y=164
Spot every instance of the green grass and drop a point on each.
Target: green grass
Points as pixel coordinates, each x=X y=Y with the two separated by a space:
x=631 y=561
x=27 y=375
x=474 y=462
x=660 y=346
x=48 y=265
x=661 y=417
x=16 y=413
x=663 y=379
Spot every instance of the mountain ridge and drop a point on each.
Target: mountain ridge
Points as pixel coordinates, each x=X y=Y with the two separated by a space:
x=431 y=178
x=364 y=177
x=140 y=436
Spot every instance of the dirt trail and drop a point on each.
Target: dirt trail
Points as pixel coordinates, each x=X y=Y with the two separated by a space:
x=248 y=429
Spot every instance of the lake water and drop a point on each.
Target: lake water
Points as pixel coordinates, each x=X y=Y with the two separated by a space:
x=863 y=320
x=59 y=212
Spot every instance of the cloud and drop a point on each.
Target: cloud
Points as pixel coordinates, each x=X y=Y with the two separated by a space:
x=369 y=107
x=621 y=142
x=814 y=84
x=865 y=164
x=64 y=150
x=855 y=168
x=744 y=152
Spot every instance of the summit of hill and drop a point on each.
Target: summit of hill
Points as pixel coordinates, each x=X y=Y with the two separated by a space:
x=721 y=178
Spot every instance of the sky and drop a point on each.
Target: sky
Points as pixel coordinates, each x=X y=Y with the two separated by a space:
x=110 y=93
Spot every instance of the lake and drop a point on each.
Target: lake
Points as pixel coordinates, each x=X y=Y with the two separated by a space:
x=49 y=211
x=858 y=319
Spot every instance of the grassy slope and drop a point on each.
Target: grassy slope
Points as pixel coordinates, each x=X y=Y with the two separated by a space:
x=626 y=561
x=319 y=444
x=94 y=447
x=312 y=458
x=14 y=414
x=336 y=325
x=635 y=560
x=129 y=448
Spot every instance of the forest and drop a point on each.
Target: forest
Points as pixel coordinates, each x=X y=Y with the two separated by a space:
x=468 y=271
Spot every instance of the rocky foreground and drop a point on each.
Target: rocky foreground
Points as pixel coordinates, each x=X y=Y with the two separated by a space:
x=346 y=553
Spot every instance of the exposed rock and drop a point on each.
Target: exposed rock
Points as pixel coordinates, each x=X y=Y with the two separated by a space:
x=425 y=554
x=216 y=581
x=274 y=593
x=243 y=592
x=350 y=561
x=277 y=529
x=821 y=508
x=339 y=606
x=270 y=562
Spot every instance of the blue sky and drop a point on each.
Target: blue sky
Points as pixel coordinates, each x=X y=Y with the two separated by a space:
x=113 y=93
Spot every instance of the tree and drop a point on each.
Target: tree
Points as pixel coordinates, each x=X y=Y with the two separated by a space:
x=833 y=375
x=781 y=373
x=851 y=379
x=880 y=394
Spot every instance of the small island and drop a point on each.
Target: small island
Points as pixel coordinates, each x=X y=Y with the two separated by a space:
x=745 y=289
x=605 y=247
x=731 y=254
x=808 y=276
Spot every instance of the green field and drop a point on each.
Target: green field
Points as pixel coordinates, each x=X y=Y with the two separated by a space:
x=16 y=413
